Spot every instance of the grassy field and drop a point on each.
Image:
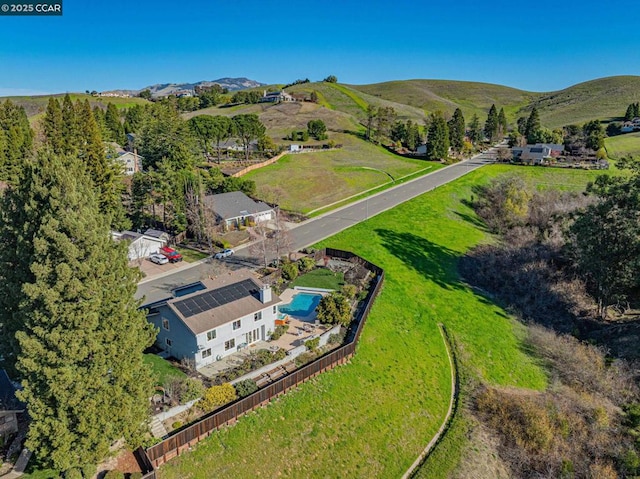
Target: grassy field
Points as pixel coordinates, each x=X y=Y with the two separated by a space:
x=623 y=145
x=373 y=417
x=162 y=369
x=320 y=278
x=314 y=180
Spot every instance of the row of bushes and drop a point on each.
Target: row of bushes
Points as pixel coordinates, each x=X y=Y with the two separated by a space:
x=254 y=361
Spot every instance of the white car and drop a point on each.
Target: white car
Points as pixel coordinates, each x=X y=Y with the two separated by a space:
x=224 y=253
x=158 y=259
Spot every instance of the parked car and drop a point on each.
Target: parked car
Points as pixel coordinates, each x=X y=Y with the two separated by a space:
x=158 y=259
x=172 y=255
x=224 y=253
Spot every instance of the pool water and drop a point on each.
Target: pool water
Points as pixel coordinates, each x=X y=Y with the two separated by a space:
x=303 y=304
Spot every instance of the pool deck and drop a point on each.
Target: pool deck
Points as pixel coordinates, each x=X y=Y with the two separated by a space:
x=301 y=328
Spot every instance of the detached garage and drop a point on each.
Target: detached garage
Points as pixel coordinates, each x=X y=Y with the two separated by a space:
x=141 y=245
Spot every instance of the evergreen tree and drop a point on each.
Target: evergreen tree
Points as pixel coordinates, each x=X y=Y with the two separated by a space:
x=457 y=130
x=52 y=123
x=114 y=125
x=475 y=131
x=437 y=138
x=491 y=125
x=69 y=130
x=502 y=124
x=79 y=334
x=17 y=139
x=413 y=135
x=636 y=110
x=533 y=126
x=629 y=115
x=99 y=116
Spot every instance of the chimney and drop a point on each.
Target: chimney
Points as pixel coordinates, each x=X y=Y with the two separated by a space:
x=265 y=294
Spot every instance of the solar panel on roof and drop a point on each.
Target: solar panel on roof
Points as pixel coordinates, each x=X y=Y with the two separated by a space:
x=218 y=297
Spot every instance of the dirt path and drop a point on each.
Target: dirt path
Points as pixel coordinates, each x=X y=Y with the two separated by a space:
x=452 y=408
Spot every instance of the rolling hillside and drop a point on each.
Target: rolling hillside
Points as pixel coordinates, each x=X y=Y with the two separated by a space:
x=604 y=98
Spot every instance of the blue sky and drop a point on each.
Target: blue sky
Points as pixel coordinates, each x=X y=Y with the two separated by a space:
x=538 y=46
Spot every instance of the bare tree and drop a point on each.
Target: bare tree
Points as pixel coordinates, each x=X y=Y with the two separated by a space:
x=261 y=242
x=281 y=236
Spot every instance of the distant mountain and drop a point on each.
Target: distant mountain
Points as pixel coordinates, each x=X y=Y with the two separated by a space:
x=164 y=89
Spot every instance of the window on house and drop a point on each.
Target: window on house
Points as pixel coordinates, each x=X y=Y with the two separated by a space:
x=168 y=342
x=257 y=316
x=165 y=324
x=229 y=344
x=237 y=325
x=211 y=335
x=275 y=309
x=206 y=353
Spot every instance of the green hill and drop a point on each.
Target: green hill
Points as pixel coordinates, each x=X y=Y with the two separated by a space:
x=445 y=95
x=604 y=98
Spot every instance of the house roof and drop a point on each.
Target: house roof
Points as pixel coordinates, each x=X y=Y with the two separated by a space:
x=156 y=233
x=8 y=400
x=234 y=204
x=224 y=300
x=536 y=149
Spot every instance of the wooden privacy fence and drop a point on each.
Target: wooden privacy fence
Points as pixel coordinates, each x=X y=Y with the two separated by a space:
x=183 y=439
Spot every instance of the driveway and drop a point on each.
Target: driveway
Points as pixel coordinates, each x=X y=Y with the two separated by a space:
x=151 y=270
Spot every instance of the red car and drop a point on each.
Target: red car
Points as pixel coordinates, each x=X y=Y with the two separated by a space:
x=172 y=255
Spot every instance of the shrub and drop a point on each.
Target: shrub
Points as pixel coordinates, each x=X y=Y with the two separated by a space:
x=190 y=389
x=216 y=396
x=135 y=475
x=114 y=475
x=73 y=474
x=279 y=331
x=176 y=425
x=349 y=290
x=304 y=358
x=279 y=354
x=334 y=309
x=246 y=387
x=306 y=264
x=289 y=271
x=89 y=471
x=312 y=344
x=336 y=338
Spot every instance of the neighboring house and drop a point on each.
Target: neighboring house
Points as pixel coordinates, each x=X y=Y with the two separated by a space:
x=294 y=148
x=10 y=407
x=627 y=127
x=233 y=145
x=208 y=320
x=235 y=208
x=538 y=153
x=130 y=161
x=141 y=245
x=275 y=97
x=161 y=235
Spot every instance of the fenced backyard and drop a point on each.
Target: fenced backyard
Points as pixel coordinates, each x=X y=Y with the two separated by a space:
x=182 y=439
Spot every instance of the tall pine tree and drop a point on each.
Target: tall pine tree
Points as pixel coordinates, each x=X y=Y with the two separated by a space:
x=502 y=124
x=74 y=323
x=491 y=125
x=16 y=141
x=437 y=138
x=52 y=124
x=533 y=126
x=69 y=127
x=475 y=130
x=114 y=125
x=457 y=130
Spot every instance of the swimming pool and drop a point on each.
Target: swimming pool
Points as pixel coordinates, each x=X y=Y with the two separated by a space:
x=302 y=304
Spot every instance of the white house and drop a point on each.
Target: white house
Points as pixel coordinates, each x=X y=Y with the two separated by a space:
x=235 y=207
x=141 y=245
x=131 y=162
x=210 y=319
x=275 y=97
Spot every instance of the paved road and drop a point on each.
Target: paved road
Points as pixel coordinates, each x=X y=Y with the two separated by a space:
x=321 y=227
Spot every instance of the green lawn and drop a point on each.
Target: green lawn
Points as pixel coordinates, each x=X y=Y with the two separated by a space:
x=191 y=255
x=623 y=145
x=162 y=369
x=320 y=278
x=308 y=181
x=373 y=417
